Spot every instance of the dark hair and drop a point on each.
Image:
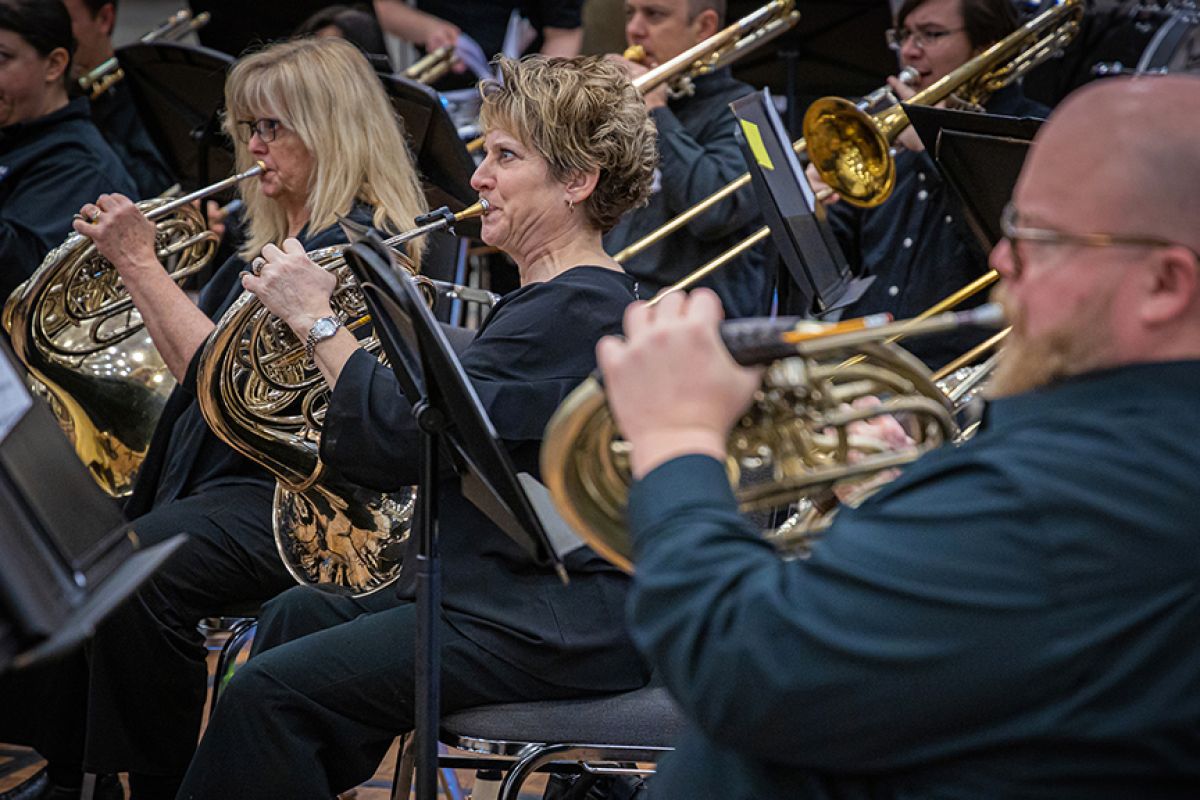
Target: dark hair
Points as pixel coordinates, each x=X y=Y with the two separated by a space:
x=356 y=25
x=45 y=24
x=94 y=6
x=985 y=21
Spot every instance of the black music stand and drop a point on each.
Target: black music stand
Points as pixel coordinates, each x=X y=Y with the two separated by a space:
x=179 y=90
x=452 y=421
x=442 y=158
x=979 y=156
x=810 y=251
x=66 y=565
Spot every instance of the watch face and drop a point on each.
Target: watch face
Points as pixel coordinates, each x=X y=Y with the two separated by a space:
x=324 y=328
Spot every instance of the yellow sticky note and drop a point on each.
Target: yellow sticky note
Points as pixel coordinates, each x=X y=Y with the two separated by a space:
x=754 y=138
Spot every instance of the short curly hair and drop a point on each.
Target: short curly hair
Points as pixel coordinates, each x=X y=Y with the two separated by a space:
x=579 y=114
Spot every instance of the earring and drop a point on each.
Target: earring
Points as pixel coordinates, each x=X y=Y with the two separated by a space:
x=571 y=204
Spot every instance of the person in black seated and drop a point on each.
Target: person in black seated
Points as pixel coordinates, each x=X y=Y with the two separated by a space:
x=315 y=114
x=52 y=158
x=697 y=140
x=917 y=243
x=113 y=110
x=569 y=147
x=1011 y=617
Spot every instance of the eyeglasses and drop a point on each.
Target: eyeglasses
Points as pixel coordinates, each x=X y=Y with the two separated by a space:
x=1015 y=233
x=267 y=130
x=922 y=38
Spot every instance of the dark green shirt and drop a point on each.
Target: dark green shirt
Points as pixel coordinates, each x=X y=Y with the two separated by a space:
x=1015 y=617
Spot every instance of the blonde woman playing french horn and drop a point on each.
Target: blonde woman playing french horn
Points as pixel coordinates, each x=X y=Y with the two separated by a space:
x=569 y=148
x=314 y=113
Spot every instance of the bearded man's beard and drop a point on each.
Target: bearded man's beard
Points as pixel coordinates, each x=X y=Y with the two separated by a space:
x=1028 y=363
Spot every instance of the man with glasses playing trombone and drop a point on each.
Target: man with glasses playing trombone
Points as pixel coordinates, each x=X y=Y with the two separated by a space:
x=916 y=243
x=1012 y=617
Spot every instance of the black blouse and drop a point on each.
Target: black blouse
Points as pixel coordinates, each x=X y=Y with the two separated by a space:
x=535 y=347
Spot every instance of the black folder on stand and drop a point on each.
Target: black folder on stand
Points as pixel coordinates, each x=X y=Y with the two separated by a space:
x=979 y=156
x=69 y=555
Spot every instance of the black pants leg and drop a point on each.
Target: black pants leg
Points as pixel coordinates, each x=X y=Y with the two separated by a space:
x=147 y=678
x=302 y=610
x=314 y=717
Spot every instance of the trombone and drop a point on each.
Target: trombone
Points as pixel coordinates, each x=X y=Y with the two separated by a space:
x=850 y=149
x=907 y=76
x=432 y=66
x=716 y=52
x=172 y=29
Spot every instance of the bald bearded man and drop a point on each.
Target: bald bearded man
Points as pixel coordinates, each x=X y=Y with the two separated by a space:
x=1014 y=617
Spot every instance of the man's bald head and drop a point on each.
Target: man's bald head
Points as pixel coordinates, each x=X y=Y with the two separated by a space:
x=1126 y=154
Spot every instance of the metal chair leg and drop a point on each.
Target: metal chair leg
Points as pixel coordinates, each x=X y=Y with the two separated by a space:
x=240 y=634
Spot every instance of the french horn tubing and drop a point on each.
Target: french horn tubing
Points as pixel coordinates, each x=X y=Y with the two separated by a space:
x=78 y=333
x=261 y=395
x=797 y=429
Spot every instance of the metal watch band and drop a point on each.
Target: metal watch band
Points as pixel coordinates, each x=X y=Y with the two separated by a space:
x=316 y=335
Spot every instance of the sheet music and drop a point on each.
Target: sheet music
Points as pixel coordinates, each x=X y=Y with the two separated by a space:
x=519 y=36
x=470 y=53
x=14 y=398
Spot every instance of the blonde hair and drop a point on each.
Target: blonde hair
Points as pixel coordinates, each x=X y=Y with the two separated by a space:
x=324 y=91
x=579 y=114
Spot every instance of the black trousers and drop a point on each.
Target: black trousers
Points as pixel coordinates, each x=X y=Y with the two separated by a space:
x=312 y=717
x=132 y=700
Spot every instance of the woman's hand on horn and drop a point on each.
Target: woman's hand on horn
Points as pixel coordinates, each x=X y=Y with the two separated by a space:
x=291 y=286
x=121 y=233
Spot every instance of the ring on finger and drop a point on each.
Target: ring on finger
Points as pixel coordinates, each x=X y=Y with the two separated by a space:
x=257 y=265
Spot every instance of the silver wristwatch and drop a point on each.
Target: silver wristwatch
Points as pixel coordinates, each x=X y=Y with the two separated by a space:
x=324 y=328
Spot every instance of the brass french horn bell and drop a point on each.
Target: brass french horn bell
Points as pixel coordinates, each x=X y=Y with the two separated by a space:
x=796 y=431
x=263 y=397
x=74 y=327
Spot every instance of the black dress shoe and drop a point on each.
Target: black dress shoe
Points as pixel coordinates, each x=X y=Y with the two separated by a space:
x=31 y=788
x=39 y=787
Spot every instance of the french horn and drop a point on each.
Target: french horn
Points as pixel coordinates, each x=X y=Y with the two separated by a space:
x=798 y=432
x=78 y=334
x=262 y=395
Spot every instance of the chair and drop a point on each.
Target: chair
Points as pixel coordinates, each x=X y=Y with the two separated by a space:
x=565 y=736
x=239 y=622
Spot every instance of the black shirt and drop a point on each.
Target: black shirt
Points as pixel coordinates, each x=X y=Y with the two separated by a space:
x=49 y=168
x=116 y=115
x=535 y=347
x=699 y=154
x=1011 y=618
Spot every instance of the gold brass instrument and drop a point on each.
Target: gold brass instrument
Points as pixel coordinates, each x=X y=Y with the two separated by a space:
x=172 y=29
x=263 y=397
x=852 y=150
x=797 y=427
x=77 y=332
x=432 y=66
x=881 y=95
x=716 y=52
